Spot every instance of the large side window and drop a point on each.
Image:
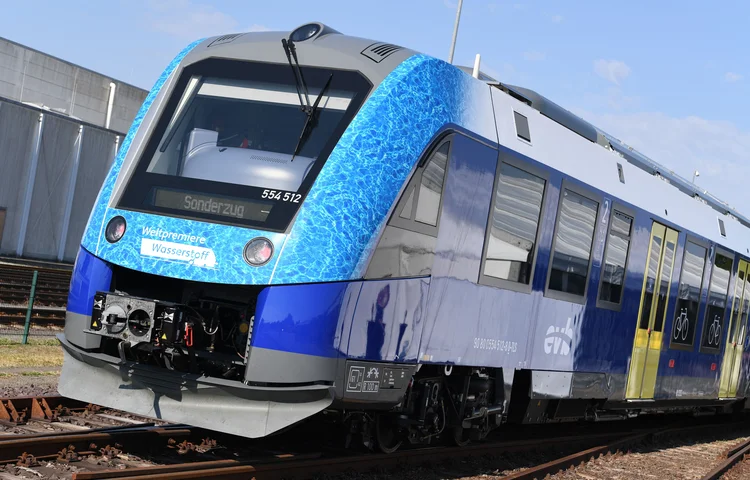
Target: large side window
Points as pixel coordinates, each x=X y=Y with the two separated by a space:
x=713 y=324
x=571 y=250
x=419 y=208
x=615 y=260
x=688 y=296
x=510 y=246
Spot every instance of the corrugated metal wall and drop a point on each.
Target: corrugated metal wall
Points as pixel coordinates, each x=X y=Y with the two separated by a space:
x=51 y=168
x=29 y=76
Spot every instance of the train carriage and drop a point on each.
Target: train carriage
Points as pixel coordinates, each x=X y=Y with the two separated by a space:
x=312 y=222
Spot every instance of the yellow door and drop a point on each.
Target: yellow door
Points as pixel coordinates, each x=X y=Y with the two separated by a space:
x=657 y=282
x=730 y=366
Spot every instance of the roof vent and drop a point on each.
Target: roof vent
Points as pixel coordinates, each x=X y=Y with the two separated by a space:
x=377 y=52
x=224 y=39
x=552 y=111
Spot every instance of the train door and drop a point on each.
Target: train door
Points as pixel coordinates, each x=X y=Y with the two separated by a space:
x=730 y=367
x=644 y=361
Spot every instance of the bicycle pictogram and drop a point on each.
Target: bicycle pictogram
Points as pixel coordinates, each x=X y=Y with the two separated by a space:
x=681 y=326
x=714 y=332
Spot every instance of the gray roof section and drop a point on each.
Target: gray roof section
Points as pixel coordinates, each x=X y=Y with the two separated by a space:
x=329 y=48
x=580 y=126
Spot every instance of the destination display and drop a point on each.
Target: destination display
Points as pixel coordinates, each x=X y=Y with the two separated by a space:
x=212 y=204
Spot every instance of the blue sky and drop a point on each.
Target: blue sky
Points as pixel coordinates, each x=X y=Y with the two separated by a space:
x=670 y=78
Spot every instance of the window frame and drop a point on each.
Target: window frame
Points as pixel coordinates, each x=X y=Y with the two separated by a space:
x=619 y=207
x=415 y=181
x=513 y=161
x=139 y=183
x=732 y=281
x=589 y=194
x=704 y=244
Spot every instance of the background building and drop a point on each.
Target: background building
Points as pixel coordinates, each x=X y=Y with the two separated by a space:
x=60 y=128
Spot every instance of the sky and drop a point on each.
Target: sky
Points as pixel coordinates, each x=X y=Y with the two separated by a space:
x=670 y=78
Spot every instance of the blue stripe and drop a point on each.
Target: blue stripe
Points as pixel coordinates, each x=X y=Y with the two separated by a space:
x=89 y=276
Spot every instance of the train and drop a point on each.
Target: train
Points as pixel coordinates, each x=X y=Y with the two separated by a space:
x=306 y=224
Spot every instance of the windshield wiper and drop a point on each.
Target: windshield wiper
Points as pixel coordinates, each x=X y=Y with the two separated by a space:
x=310 y=110
x=299 y=81
x=311 y=120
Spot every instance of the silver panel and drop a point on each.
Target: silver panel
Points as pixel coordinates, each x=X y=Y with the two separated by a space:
x=273 y=366
x=576 y=385
x=75 y=324
x=214 y=404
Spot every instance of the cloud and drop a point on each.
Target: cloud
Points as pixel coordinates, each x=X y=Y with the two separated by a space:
x=732 y=77
x=534 y=56
x=718 y=149
x=187 y=19
x=492 y=7
x=611 y=70
x=557 y=18
x=612 y=99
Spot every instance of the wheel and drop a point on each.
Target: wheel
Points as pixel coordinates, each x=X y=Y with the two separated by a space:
x=387 y=435
x=461 y=436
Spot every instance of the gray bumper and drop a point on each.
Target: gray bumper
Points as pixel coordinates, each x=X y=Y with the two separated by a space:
x=211 y=403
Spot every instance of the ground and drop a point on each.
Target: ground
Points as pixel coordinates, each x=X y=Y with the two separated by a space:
x=31 y=369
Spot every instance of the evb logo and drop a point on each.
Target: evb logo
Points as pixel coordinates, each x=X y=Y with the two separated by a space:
x=558 y=340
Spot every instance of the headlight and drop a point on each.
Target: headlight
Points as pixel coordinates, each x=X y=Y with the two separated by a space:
x=115 y=229
x=258 y=251
x=304 y=32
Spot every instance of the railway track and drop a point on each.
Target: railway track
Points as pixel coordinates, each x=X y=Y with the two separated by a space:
x=134 y=447
x=51 y=293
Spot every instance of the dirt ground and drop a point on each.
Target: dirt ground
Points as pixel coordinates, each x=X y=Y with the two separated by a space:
x=32 y=369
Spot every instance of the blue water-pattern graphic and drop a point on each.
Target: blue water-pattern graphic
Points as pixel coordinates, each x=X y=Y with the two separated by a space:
x=337 y=225
x=351 y=199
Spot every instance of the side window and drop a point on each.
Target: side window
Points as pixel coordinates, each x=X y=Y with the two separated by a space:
x=615 y=259
x=713 y=324
x=510 y=246
x=419 y=208
x=571 y=251
x=689 y=295
x=431 y=187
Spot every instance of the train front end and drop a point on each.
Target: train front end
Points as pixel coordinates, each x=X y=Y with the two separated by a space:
x=218 y=276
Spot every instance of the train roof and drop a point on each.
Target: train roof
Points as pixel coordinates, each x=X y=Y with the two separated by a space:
x=573 y=122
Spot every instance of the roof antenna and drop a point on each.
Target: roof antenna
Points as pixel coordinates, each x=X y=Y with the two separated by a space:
x=475 y=73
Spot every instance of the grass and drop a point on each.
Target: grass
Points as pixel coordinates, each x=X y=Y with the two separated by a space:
x=33 y=355
x=31 y=373
x=32 y=341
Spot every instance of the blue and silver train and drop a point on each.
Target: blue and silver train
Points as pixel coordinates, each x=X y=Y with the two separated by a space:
x=304 y=224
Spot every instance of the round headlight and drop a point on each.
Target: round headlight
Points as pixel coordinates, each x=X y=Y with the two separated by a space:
x=258 y=251
x=304 y=32
x=115 y=229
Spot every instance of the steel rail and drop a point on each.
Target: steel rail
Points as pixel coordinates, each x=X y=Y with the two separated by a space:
x=296 y=466
x=734 y=456
x=134 y=438
x=555 y=466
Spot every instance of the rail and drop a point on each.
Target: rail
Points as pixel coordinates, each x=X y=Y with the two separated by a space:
x=734 y=456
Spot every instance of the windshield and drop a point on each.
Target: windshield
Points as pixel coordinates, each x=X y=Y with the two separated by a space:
x=226 y=152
